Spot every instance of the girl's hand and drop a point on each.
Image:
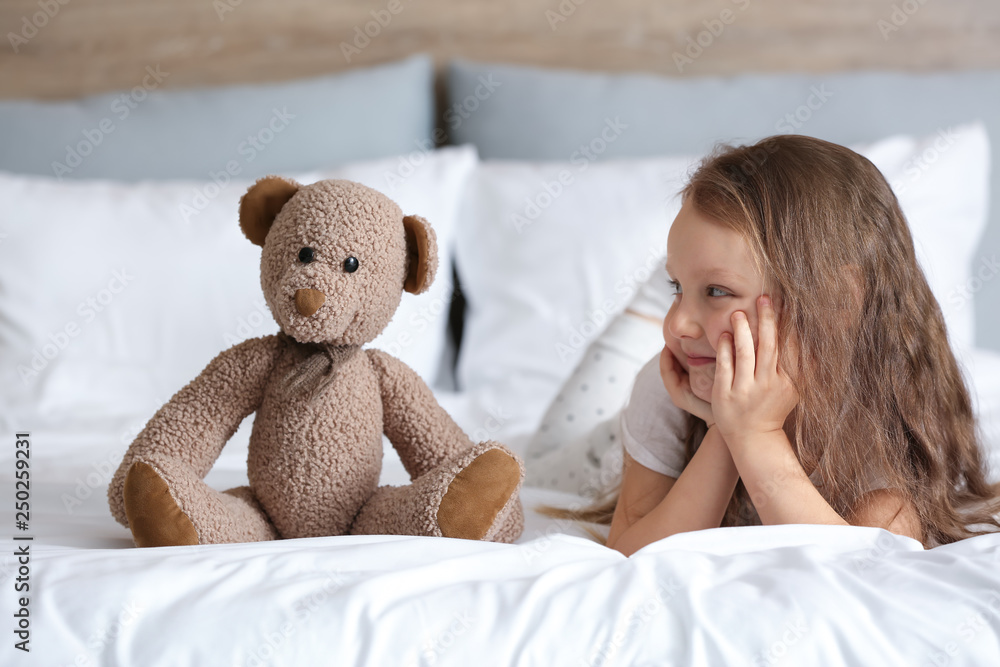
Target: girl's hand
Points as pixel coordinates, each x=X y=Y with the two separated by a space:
x=750 y=395
x=678 y=384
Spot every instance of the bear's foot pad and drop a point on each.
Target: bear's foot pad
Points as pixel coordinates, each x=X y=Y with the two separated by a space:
x=153 y=515
x=477 y=494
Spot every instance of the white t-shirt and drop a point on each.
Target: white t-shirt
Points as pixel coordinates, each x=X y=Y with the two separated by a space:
x=650 y=424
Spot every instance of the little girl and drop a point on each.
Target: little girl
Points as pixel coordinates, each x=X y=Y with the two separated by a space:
x=807 y=375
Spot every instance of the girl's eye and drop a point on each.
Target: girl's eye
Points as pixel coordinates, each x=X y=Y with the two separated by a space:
x=677 y=289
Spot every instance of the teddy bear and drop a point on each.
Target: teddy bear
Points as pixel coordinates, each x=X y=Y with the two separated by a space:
x=336 y=258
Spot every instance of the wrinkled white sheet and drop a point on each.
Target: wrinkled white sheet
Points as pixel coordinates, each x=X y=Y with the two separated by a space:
x=780 y=595
x=777 y=595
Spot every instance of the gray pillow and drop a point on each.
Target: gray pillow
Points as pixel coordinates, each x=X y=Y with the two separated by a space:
x=530 y=113
x=547 y=114
x=212 y=132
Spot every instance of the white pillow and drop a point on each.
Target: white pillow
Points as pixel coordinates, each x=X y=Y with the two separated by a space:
x=541 y=290
x=122 y=293
x=981 y=371
x=943 y=185
x=547 y=255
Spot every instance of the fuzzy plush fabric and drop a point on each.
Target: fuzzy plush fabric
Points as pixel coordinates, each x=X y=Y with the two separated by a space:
x=336 y=259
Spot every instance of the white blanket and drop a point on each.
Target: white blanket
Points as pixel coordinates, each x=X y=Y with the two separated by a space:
x=791 y=595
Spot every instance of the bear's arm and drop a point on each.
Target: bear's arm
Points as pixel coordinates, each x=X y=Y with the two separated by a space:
x=197 y=421
x=416 y=425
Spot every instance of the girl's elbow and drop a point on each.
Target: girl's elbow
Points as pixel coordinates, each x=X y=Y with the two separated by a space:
x=890 y=510
x=624 y=547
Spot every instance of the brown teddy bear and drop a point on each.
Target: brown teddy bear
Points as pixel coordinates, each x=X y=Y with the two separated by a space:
x=336 y=259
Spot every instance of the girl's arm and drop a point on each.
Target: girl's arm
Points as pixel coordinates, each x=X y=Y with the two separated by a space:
x=751 y=401
x=697 y=500
x=783 y=493
x=779 y=488
x=642 y=490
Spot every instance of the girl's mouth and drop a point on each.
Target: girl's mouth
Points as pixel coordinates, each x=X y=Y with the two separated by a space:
x=701 y=361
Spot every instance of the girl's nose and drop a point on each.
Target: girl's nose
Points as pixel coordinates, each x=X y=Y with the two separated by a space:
x=680 y=324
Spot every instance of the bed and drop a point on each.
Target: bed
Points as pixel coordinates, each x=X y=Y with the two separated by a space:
x=550 y=190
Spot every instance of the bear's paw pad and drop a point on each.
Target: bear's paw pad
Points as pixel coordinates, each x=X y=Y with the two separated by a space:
x=153 y=514
x=477 y=494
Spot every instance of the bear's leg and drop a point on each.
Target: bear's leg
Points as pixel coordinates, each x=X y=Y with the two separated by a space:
x=168 y=506
x=510 y=525
x=472 y=495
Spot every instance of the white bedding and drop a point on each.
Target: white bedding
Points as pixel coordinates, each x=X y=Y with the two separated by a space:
x=777 y=595
x=780 y=595
x=794 y=595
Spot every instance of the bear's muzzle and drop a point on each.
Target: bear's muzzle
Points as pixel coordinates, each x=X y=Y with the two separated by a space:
x=308 y=301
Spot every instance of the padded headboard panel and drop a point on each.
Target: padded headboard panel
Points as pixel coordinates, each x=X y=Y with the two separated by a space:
x=88 y=47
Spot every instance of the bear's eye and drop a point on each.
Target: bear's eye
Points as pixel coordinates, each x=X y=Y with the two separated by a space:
x=306 y=255
x=351 y=264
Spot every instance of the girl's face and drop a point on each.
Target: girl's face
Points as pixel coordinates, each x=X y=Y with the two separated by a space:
x=712 y=276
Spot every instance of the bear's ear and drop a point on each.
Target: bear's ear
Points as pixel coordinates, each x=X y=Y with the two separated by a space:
x=421 y=254
x=261 y=204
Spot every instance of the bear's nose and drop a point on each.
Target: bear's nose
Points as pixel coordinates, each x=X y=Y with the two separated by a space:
x=308 y=301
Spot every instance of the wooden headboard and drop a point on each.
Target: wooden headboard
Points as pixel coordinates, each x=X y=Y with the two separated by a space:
x=68 y=48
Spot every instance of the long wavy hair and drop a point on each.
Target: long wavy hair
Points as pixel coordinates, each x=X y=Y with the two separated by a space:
x=880 y=390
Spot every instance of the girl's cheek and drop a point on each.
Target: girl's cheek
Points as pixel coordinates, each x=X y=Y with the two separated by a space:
x=674 y=347
x=717 y=336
